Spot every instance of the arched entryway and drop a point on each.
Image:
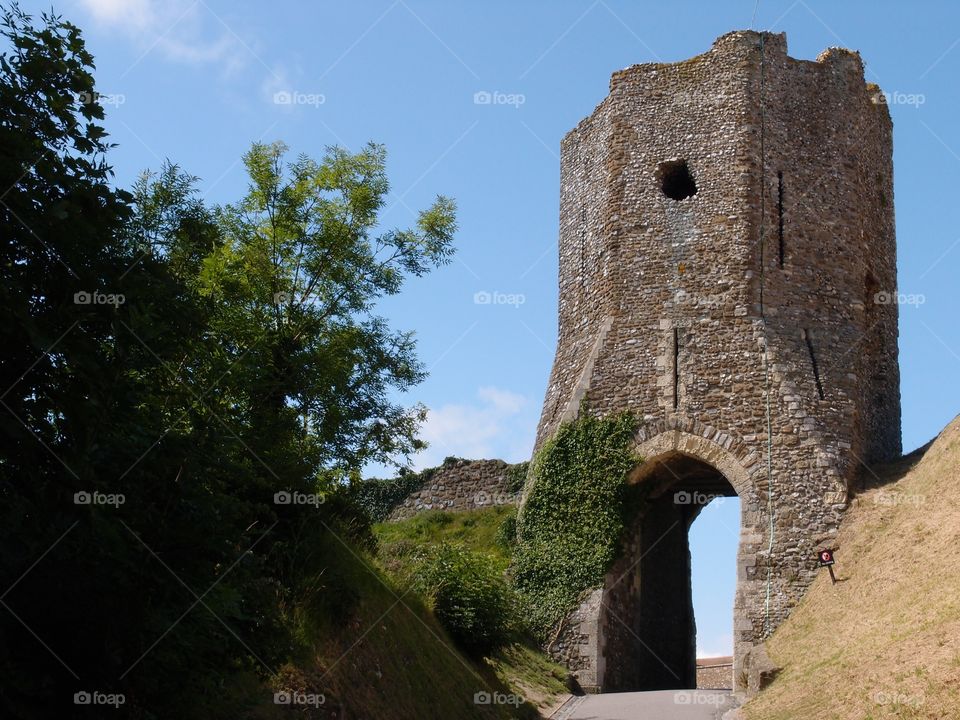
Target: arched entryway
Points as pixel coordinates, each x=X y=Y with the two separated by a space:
x=646 y=625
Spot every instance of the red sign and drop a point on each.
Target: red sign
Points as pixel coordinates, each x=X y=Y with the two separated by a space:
x=825 y=557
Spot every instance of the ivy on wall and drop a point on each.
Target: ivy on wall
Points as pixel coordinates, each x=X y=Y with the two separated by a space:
x=379 y=497
x=569 y=529
x=517 y=476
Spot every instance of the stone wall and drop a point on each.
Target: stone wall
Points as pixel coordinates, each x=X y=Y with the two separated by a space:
x=461 y=485
x=756 y=302
x=715 y=674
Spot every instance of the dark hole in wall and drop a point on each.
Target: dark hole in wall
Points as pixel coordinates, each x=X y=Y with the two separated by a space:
x=675 y=180
x=676 y=368
x=870 y=288
x=813 y=363
x=582 y=242
x=780 y=214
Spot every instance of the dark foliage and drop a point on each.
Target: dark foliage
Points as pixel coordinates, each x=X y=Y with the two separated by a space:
x=143 y=361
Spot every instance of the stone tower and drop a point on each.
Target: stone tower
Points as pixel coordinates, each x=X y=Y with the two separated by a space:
x=727 y=257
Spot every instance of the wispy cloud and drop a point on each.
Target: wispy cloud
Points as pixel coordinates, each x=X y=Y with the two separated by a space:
x=497 y=425
x=131 y=14
x=182 y=31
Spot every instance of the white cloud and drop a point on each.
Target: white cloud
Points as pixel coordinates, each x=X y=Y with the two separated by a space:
x=287 y=94
x=719 y=645
x=179 y=30
x=499 y=425
x=274 y=82
x=502 y=401
x=129 y=14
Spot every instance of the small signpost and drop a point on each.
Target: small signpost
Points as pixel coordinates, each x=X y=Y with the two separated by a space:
x=825 y=559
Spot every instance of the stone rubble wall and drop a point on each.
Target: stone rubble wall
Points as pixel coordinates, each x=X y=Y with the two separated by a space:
x=461 y=485
x=712 y=675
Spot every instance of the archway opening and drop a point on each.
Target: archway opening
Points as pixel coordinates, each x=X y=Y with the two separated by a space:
x=714 y=541
x=647 y=625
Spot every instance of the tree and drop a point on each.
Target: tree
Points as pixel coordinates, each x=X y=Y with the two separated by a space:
x=87 y=394
x=296 y=281
x=240 y=355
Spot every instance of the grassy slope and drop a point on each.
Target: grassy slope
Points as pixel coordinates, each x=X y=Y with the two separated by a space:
x=523 y=669
x=476 y=530
x=884 y=642
x=386 y=657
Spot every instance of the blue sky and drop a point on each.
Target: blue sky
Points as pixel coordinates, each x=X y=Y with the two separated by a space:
x=197 y=81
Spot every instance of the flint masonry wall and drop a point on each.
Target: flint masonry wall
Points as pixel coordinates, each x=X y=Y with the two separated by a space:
x=768 y=282
x=460 y=485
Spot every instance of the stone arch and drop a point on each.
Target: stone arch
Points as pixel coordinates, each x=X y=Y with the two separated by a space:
x=722 y=450
x=663 y=448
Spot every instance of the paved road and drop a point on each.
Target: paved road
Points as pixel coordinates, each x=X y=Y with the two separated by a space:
x=655 y=705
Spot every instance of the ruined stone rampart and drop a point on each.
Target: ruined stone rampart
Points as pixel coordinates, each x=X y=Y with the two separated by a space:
x=461 y=485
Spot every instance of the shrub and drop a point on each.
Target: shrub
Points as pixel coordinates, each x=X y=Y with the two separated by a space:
x=468 y=596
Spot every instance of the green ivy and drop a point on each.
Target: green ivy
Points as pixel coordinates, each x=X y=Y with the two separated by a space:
x=570 y=527
x=378 y=498
x=517 y=476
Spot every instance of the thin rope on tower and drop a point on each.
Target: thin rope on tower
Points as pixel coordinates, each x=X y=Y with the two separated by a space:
x=763 y=324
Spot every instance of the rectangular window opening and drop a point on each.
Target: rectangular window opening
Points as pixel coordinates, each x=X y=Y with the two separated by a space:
x=813 y=362
x=780 y=214
x=676 y=368
x=583 y=262
x=582 y=237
